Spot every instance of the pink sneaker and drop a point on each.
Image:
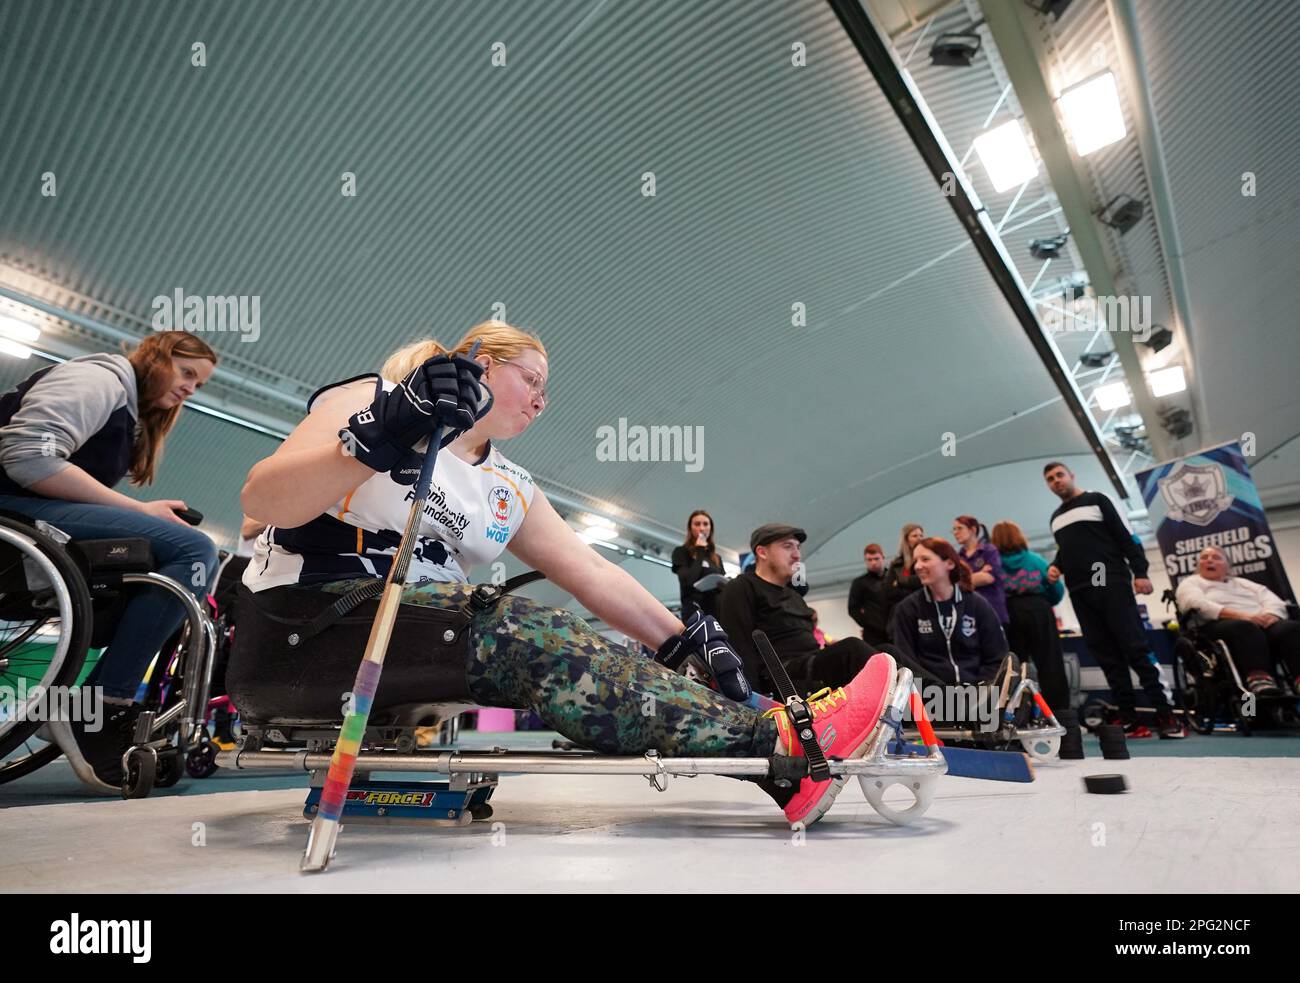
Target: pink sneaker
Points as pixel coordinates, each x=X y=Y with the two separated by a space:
x=847 y=723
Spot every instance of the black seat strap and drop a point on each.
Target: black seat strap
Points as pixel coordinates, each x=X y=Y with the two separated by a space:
x=344 y=605
x=483 y=597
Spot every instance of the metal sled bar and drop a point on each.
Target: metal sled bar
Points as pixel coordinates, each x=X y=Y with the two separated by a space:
x=569 y=763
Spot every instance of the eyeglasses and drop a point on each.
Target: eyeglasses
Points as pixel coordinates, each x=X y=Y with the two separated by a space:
x=534 y=380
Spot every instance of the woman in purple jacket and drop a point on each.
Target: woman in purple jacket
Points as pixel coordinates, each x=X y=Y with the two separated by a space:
x=984 y=561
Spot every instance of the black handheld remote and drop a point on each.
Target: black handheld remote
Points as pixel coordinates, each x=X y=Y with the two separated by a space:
x=192 y=516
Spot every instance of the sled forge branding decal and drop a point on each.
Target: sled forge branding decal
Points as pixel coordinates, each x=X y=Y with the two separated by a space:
x=501 y=502
x=387 y=797
x=1196 y=493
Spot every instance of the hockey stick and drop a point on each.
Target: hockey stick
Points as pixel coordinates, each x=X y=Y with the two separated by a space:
x=343 y=763
x=995 y=766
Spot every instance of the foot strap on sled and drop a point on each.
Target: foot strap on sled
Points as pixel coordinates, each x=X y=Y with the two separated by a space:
x=801 y=719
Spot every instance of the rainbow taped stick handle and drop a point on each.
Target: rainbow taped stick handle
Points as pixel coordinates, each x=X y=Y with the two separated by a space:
x=343 y=763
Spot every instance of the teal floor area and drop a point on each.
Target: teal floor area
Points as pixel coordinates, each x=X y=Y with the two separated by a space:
x=55 y=783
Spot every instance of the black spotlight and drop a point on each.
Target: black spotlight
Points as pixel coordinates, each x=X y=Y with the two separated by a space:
x=1177 y=422
x=955 y=49
x=1159 y=339
x=1132 y=438
x=1122 y=216
x=1051 y=8
x=1048 y=248
x=1095 y=360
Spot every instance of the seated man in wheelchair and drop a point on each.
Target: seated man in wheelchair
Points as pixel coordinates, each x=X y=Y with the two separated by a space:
x=68 y=434
x=338 y=490
x=1248 y=616
x=950 y=637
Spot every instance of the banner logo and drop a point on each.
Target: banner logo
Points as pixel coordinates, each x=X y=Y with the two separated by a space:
x=1196 y=493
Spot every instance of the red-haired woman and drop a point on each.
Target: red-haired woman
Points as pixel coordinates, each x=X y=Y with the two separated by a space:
x=697 y=558
x=945 y=630
x=68 y=434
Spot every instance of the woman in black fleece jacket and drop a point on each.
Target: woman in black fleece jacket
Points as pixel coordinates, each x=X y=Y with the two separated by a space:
x=945 y=630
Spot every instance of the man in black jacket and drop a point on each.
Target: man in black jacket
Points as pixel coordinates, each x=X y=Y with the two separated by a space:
x=762 y=597
x=867 y=601
x=1103 y=565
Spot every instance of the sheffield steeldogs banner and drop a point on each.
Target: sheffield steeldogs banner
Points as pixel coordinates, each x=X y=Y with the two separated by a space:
x=1209 y=499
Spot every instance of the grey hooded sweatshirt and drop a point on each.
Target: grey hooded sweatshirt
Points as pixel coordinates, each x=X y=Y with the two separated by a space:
x=80 y=412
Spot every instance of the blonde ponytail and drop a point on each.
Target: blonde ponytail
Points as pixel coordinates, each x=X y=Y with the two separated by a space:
x=500 y=340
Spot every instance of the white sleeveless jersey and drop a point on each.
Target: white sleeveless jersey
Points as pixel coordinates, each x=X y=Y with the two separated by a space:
x=471 y=513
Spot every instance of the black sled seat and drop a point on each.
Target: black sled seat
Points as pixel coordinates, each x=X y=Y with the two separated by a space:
x=296 y=652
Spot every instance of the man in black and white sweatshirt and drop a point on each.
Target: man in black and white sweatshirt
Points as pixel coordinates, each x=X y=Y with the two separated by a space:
x=1104 y=565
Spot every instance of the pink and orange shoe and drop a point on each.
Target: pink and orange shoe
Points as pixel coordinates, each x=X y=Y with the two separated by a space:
x=847 y=724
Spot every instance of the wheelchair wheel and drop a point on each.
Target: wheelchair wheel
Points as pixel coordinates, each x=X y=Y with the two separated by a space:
x=201 y=762
x=141 y=773
x=45 y=625
x=171 y=768
x=27 y=759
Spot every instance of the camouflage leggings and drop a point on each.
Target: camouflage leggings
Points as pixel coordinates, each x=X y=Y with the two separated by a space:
x=523 y=654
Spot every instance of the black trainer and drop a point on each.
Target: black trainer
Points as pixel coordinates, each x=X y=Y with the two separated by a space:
x=103 y=749
x=1263 y=684
x=1170 y=727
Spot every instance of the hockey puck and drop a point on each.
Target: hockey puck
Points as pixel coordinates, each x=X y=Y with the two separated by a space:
x=1105 y=784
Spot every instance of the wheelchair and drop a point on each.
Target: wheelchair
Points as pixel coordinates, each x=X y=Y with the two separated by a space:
x=1213 y=691
x=59 y=599
x=1018 y=717
x=291 y=721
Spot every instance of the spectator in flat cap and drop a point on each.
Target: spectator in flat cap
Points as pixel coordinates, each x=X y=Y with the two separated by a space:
x=763 y=597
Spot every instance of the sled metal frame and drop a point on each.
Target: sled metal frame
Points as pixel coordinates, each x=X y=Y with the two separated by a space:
x=1041 y=742
x=877 y=771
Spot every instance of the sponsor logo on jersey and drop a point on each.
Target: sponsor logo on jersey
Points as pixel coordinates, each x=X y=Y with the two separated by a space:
x=924 y=627
x=500 y=504
x=968 y=625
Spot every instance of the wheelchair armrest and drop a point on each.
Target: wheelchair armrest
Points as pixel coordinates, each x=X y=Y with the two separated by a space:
x=131 y=555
